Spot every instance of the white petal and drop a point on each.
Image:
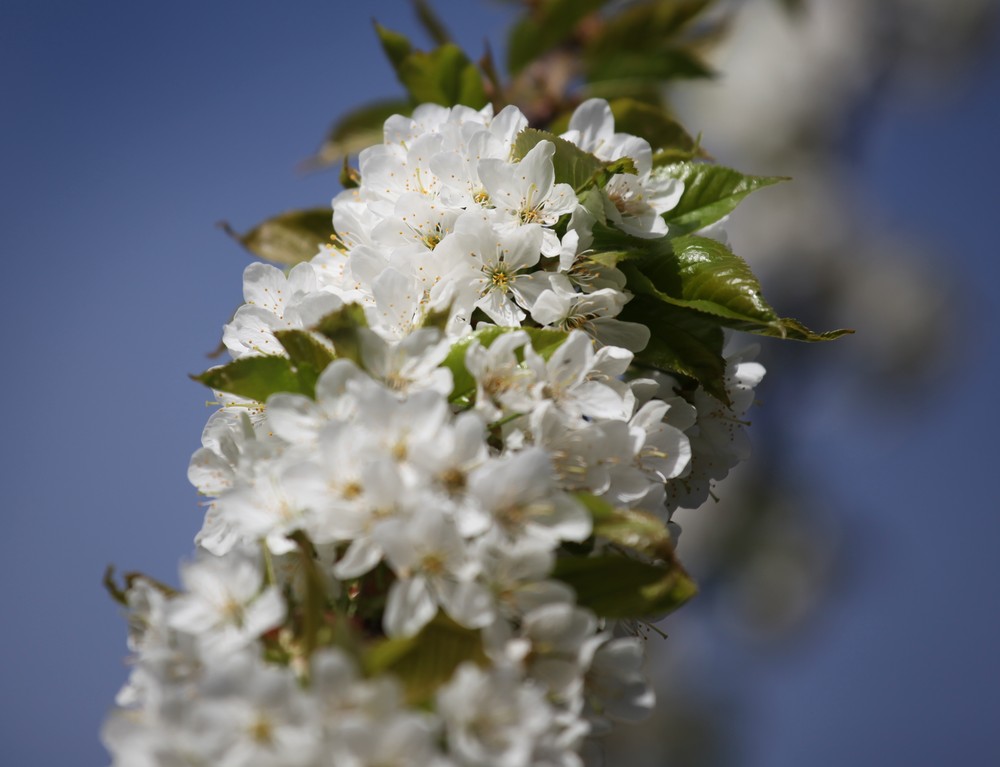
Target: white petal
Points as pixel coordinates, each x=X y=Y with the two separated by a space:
x=361 y=556
x=408 y=608
x=469 y=603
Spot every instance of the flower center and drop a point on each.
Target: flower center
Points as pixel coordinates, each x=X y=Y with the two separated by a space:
x=453 y=480
x=262 y=731
x=529 y=215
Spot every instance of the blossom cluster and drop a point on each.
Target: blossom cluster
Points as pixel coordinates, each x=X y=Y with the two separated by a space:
x=477 y=404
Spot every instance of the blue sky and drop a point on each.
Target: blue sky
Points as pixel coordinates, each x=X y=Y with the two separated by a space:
x=129 y=129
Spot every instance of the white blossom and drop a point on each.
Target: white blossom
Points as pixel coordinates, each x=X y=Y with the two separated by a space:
x=224 y=605
x=442 y=468
x=491 y=717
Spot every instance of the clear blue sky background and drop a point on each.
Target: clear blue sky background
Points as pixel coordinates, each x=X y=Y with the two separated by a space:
x=127 y=129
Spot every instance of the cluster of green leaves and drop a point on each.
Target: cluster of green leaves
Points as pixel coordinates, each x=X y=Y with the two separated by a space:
x=631 y=52
x=687 y=287
x=559 y=52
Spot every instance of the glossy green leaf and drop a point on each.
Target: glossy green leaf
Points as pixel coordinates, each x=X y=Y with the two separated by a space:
x=425 y=662
x=544 y=341
x=255 y=378
x=611 y=246
x=614 y=586
x=794 y=330
x=682 y=342
x=654 y=124
x=358 y=129
x=289 y=238
x=341 y=329
x=545 y=25
x=710 y=192
x=633 y=529
x=572 y=165
x=702 y=274
x=308 y=355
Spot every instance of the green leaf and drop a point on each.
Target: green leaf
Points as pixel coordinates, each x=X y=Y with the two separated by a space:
x=671 y=155
x=614 y=586
x=396 y=46
x=681 y=341
x=546 y=25
x=544 y=341
x=636 y=530
x=641 y=48
x=431 y=22
x=644 y=25
x=653 y=124
x=611 y=246
x=710 y=192
x=341 y=328
x=443 y=76
x=423 y=663
x=358 y=129
x=609 y=258
x=667 y=63
x=255 y=378
x=572 y=165
x=309 y=357
x=794 y=330
x=290 y=238
x=702 y=274
x=644 y=28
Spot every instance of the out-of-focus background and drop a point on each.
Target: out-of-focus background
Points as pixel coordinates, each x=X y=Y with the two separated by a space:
x=850 y=610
